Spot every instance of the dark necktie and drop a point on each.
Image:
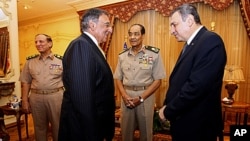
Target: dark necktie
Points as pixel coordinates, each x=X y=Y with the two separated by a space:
x=184 y=48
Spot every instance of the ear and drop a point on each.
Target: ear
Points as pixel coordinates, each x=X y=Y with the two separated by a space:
x=92 y=25
x=143 y=36
x=50 y=44
x=190 y=20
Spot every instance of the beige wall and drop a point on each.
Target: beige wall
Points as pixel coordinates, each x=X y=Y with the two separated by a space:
x=61 y=27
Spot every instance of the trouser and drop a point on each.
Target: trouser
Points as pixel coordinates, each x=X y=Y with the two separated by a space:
x=46 y=110
x=141 y=116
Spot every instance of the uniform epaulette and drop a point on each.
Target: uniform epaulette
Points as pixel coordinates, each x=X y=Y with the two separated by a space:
x=154 y=49
x=32 y=56
x=124 y=51
x=58 y=56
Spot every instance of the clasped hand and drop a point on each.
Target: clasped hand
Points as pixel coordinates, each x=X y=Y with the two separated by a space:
x=131 y=102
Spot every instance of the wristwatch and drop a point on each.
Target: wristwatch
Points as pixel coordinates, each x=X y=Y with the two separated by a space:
x=141 y=99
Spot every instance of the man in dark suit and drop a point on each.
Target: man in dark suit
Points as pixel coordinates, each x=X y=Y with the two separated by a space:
x=193 y=99
x=88 y=106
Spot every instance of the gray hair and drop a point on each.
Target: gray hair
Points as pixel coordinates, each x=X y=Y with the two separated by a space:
x=185 y=10
x=91 y=14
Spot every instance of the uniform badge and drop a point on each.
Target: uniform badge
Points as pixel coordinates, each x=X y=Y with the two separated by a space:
x=55 y=67
x=150 y=60
x=145 y=59
x=140 y=60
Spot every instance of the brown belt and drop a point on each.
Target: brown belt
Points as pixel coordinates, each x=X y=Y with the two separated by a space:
x=37 y=91
x=136 y=88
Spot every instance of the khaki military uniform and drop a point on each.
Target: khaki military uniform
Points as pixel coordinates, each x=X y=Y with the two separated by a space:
x=138 y=72
x=46 y=93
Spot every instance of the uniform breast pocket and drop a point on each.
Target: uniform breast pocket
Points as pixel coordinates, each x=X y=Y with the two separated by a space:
x=126 y=68
x=57 y=72
x=35 y=71
x=146 y=69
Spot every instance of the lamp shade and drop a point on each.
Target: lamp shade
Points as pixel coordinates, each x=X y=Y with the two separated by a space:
x=233 y=74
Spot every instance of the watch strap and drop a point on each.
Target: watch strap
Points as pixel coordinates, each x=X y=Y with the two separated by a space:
x=141 y=99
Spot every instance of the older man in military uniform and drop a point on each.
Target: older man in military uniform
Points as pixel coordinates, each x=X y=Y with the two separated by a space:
x=42 y=78
x=138 y=75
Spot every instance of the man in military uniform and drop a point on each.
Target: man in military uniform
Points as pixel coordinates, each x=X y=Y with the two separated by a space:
x=138 y=75
x=42 y=78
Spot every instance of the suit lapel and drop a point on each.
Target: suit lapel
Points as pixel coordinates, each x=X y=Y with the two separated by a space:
x=99 y=56
x=94 y=46
x=189 y=48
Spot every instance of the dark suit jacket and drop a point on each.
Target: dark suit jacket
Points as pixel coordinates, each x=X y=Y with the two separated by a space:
x=193 y=98
x=88 y=105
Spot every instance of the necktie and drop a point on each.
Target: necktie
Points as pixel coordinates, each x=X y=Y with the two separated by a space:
x=184 y=48
x=103 y=53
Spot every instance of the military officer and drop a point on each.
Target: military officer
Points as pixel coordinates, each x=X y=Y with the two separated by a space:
x=42 y=78
x=138 y=75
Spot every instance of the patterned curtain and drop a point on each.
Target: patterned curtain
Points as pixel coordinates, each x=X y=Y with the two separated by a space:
x=245 y=12
x=124 y=11
x=4 y=51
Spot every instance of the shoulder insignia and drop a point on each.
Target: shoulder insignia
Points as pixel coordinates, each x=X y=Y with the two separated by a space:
x=124 y=51
x=58 y=56
x=154 y=49
x=32 y=56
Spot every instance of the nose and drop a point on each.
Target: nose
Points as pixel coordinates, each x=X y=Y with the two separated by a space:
x=172 y=30
x=110 y=30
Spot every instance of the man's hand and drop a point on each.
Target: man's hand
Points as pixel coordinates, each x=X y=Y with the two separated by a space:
x=161 y=114
x=132 y=102
x=128 y=101
x=136 y=101
x=26 y=107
